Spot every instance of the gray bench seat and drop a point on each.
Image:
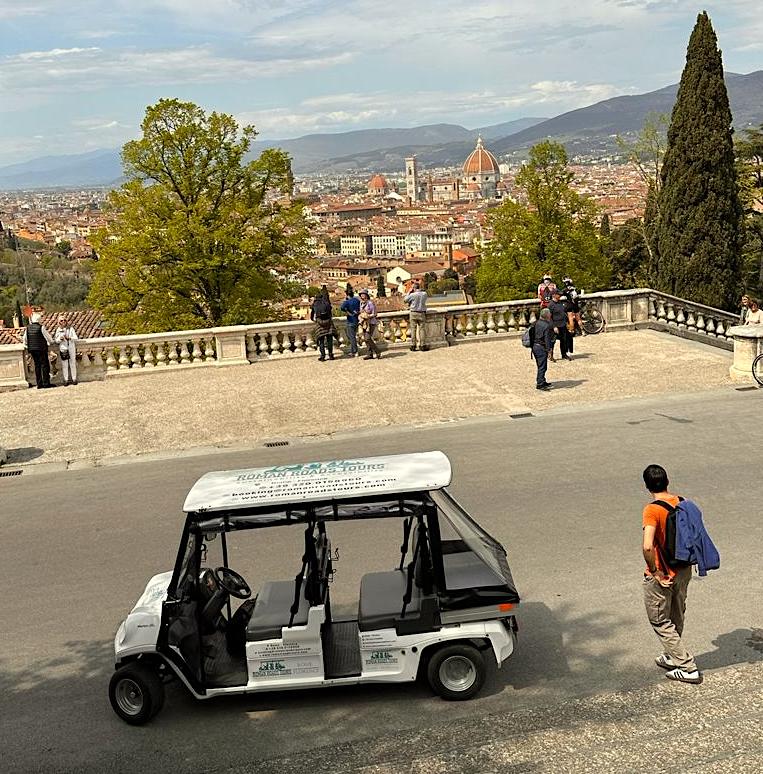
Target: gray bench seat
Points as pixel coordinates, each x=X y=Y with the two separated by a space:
x=272 y=611
x=381 y=600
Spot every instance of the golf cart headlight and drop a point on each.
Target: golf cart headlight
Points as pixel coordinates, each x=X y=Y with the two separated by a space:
x=120 y=635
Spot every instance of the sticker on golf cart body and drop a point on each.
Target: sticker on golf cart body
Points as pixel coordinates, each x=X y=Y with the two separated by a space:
x=380 y=660
x=275 y=669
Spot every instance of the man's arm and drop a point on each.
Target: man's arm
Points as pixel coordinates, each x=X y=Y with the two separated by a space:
x=650 y=556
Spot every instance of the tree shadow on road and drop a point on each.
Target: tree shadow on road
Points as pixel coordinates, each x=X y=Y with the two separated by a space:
x=739 y=646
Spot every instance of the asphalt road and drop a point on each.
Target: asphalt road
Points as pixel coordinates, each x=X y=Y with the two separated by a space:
x=561 y=491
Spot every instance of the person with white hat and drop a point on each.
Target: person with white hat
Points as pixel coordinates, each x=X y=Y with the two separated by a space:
x=66 y=337
x=546 y=290
x=36 y=339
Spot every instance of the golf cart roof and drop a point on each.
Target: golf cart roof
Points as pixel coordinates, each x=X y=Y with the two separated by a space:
x=226 y=490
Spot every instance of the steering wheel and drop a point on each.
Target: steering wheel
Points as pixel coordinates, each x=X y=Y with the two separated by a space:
x=233 y=583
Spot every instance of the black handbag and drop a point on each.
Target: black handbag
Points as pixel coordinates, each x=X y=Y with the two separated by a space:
x=64 y=354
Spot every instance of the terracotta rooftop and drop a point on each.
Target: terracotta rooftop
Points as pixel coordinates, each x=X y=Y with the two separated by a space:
x=86 y=322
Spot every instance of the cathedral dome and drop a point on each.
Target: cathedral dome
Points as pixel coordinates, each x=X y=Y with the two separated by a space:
x=481 y=161
x=378 y=183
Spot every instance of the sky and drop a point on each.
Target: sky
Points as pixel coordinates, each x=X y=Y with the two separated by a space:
x=76 y=76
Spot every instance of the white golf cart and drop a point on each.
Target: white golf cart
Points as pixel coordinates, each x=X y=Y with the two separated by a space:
x=447 y=607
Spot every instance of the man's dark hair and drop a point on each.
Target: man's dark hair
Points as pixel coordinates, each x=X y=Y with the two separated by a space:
x=656 y=478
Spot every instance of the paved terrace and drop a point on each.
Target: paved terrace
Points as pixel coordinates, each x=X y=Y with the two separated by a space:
x=246 y=405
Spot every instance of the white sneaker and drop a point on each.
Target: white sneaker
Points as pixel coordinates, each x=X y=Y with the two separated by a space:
x=664 y=661
x=682 y=676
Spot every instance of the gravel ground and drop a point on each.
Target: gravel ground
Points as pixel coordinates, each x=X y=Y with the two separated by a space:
x=303 y=397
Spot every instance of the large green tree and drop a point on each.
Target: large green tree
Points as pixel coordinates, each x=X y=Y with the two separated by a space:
x=699 y=228
x=750 y=173
x=200 y=235
x=552 y=230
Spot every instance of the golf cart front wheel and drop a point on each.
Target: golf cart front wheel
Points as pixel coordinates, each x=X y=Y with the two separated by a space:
x=136 y=693
x=456 y=672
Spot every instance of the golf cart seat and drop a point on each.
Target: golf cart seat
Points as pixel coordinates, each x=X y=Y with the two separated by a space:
x=381 y=600
x=272 y=611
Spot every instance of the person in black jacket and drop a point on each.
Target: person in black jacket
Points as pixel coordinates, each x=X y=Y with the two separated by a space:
x=543 y=343
x=559 y=320
x=36 y=339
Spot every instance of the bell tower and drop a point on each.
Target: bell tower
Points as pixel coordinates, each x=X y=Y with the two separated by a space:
x=411 y=179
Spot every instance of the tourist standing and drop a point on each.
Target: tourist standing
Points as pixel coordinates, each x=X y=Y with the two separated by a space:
x=66 y=338
x=320 y=314
x=665 y=589
x=351 y=307
x=368 y=323
x=574 y=321
x=754 y=314
x=36 y=339
x=559 y=320
x=417 y=317
x=545 y=291
x=543 y=343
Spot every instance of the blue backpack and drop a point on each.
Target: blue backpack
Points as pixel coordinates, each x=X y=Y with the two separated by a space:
x=686 y=539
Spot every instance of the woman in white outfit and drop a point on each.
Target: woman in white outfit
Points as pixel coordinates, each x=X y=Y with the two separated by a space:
x=66 y=338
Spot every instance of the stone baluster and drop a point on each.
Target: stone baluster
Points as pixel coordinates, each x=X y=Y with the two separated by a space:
x=161 y=354
x=251 y=346
x=148 y=355
x=299 y=342
x=124 y=359
x=135 y=358
x=172 y=349
x=700 y=322
x=470 y=330
x=310 y=341
x=681 y=318
x=265 y=343
x=277 y=346
x=652 y=306
x=720 y=329
x=480 y=323
x=533 y=318
x=691 y=321
x=459 y=326
x=209 y=350
x=503 y=326
x=671 y=314
x=490 y=326
x=185 y=355
x=661 y=313
x=710 y=327
x=196 y=354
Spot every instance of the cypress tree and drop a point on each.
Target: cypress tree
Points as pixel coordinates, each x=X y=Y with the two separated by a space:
x=700 y=216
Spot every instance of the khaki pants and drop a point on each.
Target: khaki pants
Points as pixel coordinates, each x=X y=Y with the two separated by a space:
x=665 y=608
x=417 y=323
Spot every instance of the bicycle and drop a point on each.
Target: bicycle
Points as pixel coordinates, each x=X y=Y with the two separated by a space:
x=757 y=369
x=591 y=320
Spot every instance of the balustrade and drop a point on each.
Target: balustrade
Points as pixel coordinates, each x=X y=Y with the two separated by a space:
x=121 y=355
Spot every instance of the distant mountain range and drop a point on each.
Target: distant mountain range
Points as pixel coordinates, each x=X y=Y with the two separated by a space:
x=589 y=130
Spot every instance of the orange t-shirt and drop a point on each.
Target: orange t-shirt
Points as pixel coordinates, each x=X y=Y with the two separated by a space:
x=656 y=516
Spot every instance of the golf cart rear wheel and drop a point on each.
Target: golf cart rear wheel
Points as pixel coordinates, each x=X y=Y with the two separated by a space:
x=456 y=672
x=136 y=693
x=757 y=369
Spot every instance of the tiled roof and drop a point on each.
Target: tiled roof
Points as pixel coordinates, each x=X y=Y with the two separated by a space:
x=86 y=322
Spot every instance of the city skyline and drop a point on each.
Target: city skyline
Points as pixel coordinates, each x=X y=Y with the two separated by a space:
x=78 y=77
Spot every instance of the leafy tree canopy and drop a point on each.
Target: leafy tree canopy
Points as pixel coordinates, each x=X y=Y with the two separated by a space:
x=200 y=237
x=554 y=231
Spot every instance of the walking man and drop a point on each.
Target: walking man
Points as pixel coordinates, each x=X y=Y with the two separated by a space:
x=543 y=342
x=36 y=339
x=351 y=307
x=559 y=319
x=665 y=588
x=417 y=319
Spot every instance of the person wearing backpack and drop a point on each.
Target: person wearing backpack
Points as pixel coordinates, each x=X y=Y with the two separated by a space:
x=665 y=586
x=541 y=338
x=320 y=314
